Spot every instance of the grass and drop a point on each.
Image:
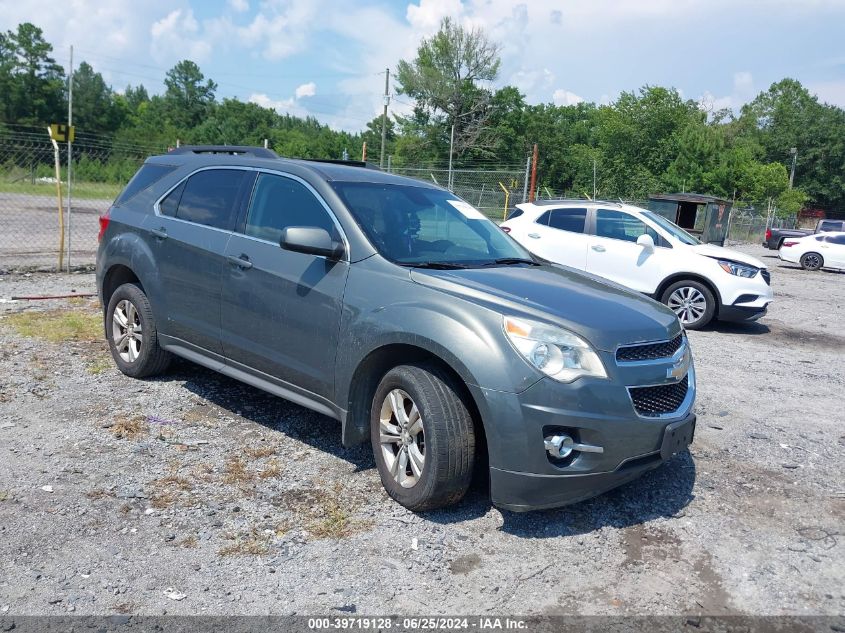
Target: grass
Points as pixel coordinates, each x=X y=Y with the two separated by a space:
x=189 y=542
x=271 y=469
x=252 y=543
x=331 y=519
x=235 y=472
x=259 y=452
x=98 y=493
x=57 y=326
x=4 y=495
x=130 y=428
x=99 y=364
x=81 y=190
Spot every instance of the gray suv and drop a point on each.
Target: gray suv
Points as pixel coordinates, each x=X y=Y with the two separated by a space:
x=397 y=308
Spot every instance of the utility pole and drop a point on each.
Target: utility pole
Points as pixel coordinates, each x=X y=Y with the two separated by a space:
x=794 y=152
x=451 y=148
x=384 y=114
x=525 y=181
x=69 y=152
x=594 y=179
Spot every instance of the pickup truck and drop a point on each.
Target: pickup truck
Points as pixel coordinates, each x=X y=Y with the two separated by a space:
x=774 y=237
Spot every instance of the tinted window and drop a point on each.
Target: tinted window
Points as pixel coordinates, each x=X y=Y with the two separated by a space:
x=170 y=202
x=621 y=226
x=568 y=220
x=278 y=203
x=209 y=197
x=143 y=178
x=836 y=239
x=544 y=219
x=515 y=214
x=829 y=225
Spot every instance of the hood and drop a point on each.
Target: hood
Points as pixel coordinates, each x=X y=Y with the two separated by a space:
x=720 y=252
x=605 y=314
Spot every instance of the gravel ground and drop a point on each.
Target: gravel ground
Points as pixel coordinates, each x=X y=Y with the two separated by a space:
x=195 y=494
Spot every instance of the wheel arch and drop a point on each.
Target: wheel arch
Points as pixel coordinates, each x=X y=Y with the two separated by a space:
x=369 y=373
x=661 y=288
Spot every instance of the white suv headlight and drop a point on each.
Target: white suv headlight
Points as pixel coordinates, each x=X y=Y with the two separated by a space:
x=556 y=352
x=740 y=270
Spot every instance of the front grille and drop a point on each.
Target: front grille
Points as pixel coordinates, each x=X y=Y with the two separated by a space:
x=649 y=351
x=767 y=276
x=654 y=401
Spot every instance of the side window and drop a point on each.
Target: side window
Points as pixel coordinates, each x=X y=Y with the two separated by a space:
x=826 y=225
x=149 y=174
x=544 y=219
x=280 y=202
x=170 y=202
x=622 y=226
x=568 y=220
x=209 y=197
x=837 y=239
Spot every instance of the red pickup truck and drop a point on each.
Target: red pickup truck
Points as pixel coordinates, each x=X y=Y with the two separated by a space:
x=774 y=237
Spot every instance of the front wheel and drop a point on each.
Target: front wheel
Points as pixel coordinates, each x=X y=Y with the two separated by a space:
x=422 y=436
x=811 y=261
x=692 y=302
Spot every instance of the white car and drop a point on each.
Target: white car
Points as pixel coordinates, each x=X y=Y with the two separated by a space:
x=821 y=250
x=646 y=252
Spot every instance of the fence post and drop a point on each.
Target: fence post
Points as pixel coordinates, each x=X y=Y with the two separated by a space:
x=69 y=155
x=58 y=198
x=525 y=180
x=532 y=194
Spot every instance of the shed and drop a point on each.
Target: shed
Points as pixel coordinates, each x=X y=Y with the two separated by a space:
x=706 y=217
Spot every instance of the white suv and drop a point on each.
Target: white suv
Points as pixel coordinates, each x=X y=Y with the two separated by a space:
x=646 y=252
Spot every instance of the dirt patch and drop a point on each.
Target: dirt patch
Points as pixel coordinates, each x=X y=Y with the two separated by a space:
x=465 y=564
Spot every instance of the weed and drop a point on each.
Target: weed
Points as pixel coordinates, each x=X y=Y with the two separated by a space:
x=57 y=326
x=331 y=519
x=5 y=495
x=130 y=429
x=236 y=472
x=252 y=543
x=99 y=364
x=189 y=542
x=271 y=469
x=163 y=499
x=258 y=452
x=98 y=493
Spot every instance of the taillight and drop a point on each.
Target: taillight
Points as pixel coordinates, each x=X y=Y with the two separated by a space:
x=506 y=229
x=789 y=243
x=768 y=234
x=104 y=224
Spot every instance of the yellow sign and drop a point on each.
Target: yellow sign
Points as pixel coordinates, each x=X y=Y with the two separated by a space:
x=62 y=132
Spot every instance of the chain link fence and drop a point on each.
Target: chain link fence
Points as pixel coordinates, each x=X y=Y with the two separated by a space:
x=38 y=228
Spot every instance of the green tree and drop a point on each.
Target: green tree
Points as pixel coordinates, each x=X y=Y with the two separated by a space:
x=34 y=87
x=372 y=136
x=188 y=96
x=445 y=80
x=94 y=107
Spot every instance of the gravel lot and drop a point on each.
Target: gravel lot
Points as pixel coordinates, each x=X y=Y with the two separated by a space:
x=195 y=494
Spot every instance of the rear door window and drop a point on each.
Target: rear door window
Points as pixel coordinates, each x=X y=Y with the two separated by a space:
x=210 y=198
x=280 y=202
x=571 y=220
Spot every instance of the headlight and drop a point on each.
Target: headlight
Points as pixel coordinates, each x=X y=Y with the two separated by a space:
x=556 y=352
x=740 y=270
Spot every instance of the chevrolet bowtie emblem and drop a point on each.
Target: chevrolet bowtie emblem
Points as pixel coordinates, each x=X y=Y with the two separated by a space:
x=679 y=368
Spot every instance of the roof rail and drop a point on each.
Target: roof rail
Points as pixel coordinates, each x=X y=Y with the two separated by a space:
x=258 y=152
x=340 y=161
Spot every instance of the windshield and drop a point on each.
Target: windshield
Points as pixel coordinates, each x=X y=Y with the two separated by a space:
x=671 y=228
x=417 y=226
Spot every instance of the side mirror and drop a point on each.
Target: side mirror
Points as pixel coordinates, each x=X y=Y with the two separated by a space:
x=312 y=241
x=646 y=241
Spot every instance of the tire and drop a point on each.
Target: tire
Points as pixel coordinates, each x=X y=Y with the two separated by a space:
x=129 y=313
x=692 y=302
x=442 y=434
x=811 y=261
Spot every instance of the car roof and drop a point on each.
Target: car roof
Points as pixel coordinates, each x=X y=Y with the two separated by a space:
x=339 y=171
x=563 y=203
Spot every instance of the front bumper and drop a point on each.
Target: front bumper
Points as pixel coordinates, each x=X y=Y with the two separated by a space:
x=597 y=412
x=521 y=492
x=744 y=299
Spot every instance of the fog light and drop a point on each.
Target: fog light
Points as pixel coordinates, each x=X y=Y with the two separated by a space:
x=561 y=446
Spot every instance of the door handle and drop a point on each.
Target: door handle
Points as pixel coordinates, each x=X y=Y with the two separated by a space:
x=598 y=248
x=535 y=236
x=242 y=261
x=160 y=233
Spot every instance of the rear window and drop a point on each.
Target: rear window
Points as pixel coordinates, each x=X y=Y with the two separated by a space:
x=515 y=213
x=568 y=220
x=143 y=179
x=210 y=196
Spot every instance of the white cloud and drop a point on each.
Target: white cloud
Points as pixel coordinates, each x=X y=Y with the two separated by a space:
x=563 y=97
x=281 y=28
x=306 y=90
x=831 y=92
x=178 y=34
x=240 y=6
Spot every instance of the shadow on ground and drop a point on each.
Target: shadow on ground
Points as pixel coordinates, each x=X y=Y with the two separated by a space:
x=663 y=492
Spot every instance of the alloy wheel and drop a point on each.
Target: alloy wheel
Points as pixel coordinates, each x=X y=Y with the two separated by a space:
x=688 y=303
x=812 y=261
x=126 y=331
x=401 y=438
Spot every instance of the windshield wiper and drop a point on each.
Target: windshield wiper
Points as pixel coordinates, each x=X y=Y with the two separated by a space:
x=510 y=261
x=434 y=265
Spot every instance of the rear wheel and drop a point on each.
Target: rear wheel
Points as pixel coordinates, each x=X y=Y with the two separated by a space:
x=692 y=302
x=132 y=334
x=811 y=261
x=422 y=437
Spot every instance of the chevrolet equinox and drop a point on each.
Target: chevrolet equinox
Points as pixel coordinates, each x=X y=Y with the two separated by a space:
x=400 y=310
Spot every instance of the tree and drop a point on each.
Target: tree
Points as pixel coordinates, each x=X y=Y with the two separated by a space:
x=372 y=136
x=94 y=108
x=32 y=81
x=188 y=98
x=444 y=79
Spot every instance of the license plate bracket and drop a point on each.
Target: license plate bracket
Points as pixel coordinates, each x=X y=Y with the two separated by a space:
x=677 y=436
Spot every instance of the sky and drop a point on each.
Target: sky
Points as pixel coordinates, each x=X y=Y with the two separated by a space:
x=327 y=58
